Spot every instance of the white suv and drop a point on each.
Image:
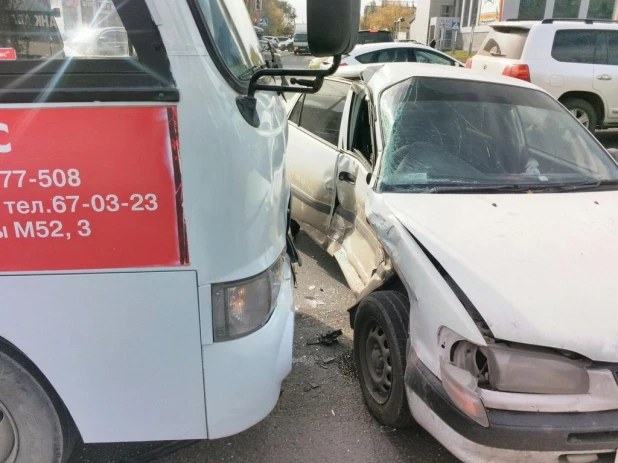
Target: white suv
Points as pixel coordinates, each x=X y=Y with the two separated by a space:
x=574 y=60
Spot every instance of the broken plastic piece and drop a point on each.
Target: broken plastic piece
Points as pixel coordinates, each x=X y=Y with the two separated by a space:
x=327 y=339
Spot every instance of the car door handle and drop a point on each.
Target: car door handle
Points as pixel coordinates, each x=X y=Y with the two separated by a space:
x=604 y=77
x=347 y=177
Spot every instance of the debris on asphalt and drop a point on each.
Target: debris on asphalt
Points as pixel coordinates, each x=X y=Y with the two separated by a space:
x=309 y=386
x=311 y=288
x=313 y=303
x=328 y=360
x=333 y=412
x=327 y=339
x=387 y=429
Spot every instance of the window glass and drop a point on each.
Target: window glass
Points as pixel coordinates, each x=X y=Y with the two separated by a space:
x=300 y=38
x=612 y=47
x=322 y=112
x=361 y=140
x=388 y=55
x=601 y=53
x=367 y=57
x=566 y=8
x=507 y=42
x=601 y=9
x=233 y=35
x=426 y=56
x=531 y=10
x=33 y=30
x=298 y=108
x=458 y=134
x=574 y=46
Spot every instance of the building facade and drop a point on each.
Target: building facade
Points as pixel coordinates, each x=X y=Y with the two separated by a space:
x=435 y=18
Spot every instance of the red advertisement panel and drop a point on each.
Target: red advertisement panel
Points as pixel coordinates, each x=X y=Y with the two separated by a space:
x=90 y=188
x=8 y=54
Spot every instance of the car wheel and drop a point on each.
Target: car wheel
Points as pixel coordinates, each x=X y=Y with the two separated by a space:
x=583 y=111
x=380 y=336
x=31 y=428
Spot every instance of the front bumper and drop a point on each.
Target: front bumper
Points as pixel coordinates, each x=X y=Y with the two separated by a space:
x=243 y=377
x=511 y=436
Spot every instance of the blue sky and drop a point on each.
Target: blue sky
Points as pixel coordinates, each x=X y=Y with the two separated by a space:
x=301 y=8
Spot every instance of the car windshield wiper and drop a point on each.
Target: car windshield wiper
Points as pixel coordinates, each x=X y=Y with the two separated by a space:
x=514 y=188
x=601 y=184
x=482 y=188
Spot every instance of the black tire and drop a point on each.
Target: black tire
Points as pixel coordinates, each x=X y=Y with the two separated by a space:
x=381 y=323
x=577 y=106
x=27 y=411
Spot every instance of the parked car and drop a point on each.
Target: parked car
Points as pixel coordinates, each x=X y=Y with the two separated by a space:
x=99 y=42
x=273 y=40
x=575 y=61
x=285 y=43
x=394 y=52
x=474 y=219
x=366 y=36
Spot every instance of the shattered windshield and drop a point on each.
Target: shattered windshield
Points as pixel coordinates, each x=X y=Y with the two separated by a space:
x=450 y=134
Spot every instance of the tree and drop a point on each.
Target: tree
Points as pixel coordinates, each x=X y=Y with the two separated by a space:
x=281 y=16
x=384 y=16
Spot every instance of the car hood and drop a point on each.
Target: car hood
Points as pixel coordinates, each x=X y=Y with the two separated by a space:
x=540 y=268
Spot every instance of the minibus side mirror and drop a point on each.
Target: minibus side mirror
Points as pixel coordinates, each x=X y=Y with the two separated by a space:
x=614 y=153
x=332 y=26
x=56 y=12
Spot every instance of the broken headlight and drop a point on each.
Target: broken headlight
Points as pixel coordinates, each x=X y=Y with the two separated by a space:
x=535 y=371
x=515 y=368
x=242 y=307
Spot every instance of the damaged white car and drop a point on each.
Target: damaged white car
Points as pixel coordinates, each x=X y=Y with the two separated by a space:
x=476 y=220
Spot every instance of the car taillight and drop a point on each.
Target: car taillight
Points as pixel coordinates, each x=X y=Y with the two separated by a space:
x=343 y=64
x=518 y=71
x=469 y=63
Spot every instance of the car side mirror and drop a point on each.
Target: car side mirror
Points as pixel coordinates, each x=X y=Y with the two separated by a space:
x=332 y=26
x=614 y=153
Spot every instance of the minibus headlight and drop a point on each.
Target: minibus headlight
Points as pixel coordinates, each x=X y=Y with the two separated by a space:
x=242 y=307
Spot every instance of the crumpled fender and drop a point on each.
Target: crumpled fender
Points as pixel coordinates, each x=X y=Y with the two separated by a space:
x=432 y=302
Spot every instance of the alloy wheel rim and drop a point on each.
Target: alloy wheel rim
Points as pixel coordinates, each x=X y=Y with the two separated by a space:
x=581 y=116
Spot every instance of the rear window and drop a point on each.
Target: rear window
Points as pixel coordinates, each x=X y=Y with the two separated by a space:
x=365 y=37
x=80 y=50
x=505 y=43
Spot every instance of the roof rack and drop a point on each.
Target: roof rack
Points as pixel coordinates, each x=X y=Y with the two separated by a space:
x=586 y=21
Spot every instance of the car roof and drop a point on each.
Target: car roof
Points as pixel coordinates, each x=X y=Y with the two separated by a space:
x=381 y=76
x=385 y=45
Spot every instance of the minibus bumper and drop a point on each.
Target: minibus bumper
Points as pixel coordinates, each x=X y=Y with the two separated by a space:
x=243 y=377
x=512 y=436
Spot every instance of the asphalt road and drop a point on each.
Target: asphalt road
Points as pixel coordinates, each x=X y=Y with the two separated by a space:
x=321 y=416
